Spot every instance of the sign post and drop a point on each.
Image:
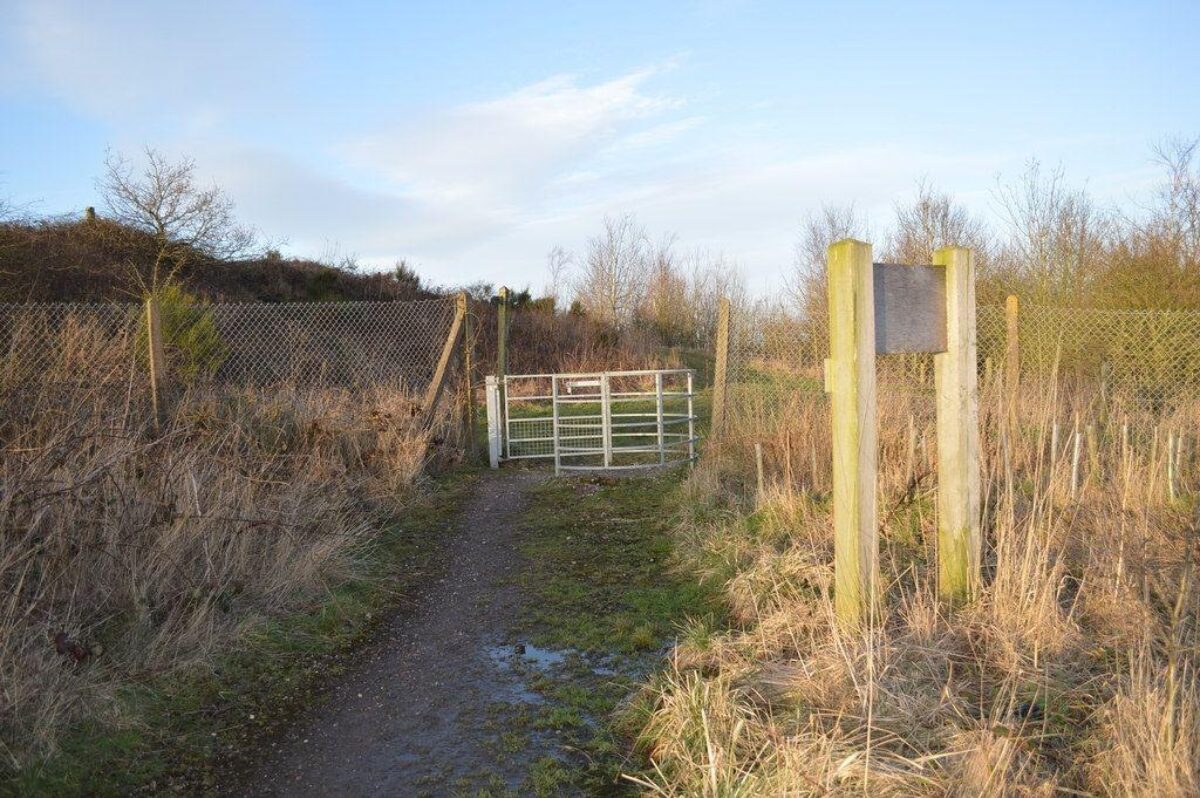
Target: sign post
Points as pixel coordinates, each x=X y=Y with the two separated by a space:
x=850 y=381
x=887 y=308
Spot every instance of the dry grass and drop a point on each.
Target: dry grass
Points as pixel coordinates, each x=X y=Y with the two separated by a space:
x=145 y=552
x=1073 y=673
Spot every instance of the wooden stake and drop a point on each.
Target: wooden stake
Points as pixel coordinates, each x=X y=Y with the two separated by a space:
x=955 y=378
x=502 y=336
x=758 y=464
x=850 y=381
x=468 y=373
x=434 y=392
x=1075 y=465
x=1012 y=355
x=910 y=470
x=812 y=450
x=720 y=367
x=1125 y=440
x=1171 y=492
x=157 y=359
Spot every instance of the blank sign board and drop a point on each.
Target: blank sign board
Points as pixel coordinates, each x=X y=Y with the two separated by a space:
x=910 y=308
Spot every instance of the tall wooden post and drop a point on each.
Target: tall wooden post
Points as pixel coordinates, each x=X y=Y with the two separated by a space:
x=1012 y=355
x=157 y=360
x=720 y=367
x=850 y=381
x=468 y=361
x=955 y=379
x=434 y=392
x=502 y=336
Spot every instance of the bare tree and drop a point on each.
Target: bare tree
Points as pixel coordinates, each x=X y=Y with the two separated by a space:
x=558 y=264
x=711 y=277
x=1178 y=212
x=931 y=221
x=184 y=219
x=832 y=223
x=663 y=303
x=1057 y=237
x=613 y=274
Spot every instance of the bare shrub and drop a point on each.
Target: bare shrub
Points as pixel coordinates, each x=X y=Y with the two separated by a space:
x=1074 y=671
x=126 y=555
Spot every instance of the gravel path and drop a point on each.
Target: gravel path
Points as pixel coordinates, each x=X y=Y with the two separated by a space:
x=408 y=719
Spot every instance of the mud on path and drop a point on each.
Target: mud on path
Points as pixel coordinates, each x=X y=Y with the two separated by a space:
x=408 y=718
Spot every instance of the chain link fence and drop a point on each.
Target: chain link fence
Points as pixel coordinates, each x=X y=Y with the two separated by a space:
x=1148 y=359
x=349 y=345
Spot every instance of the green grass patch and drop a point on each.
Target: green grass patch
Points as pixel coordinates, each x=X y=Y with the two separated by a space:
x=602 y=581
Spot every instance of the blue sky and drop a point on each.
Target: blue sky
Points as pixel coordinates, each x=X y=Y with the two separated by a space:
x=470 y=138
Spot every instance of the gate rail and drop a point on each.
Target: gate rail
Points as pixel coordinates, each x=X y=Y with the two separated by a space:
x=597 y=421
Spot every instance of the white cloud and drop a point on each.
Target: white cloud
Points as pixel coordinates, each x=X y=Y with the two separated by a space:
x=483 y=190
x=503 y=150
x=195 y=59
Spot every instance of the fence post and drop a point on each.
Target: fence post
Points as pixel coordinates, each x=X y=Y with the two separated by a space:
x=956 y=380
x=494 y=435
x=157 y=359
x=554 y=424
x=502 y=336
x=606 y=419
x=758 y=468
x=850 y=381
x=434 y=392
x=468 y=371
x=658 y=412
x=720 y=367
x=1012 y=354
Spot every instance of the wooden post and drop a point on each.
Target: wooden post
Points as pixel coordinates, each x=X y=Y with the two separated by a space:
x=434 y=392
x=502 y=337
x=955 y=378
x=157 y=360
x=758 y=463
x=1012 y=353
x=1074 y=466
x=850 y=381
x=720 y=367
x=468 y=356
x=1171 y=492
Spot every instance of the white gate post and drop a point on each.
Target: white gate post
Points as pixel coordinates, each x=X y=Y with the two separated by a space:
x=691 y=411
x=606 y=419
x=658 y=409
x=495 y=439
x=554 y=423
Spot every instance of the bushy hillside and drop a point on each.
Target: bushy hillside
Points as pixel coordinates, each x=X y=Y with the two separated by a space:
x=92 y=259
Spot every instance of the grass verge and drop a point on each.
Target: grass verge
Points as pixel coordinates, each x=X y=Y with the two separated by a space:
x=603 y=587
x=184 y=731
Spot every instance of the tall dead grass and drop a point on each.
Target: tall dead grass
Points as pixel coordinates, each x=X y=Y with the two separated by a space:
x=127 y=553
x=1074 y=672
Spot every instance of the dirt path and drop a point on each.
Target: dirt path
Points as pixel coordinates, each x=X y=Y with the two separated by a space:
x=408 y=719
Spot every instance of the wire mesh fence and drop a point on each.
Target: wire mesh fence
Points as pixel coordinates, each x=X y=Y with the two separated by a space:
x=1145 y=359
x=304 y=345
x=46 y=345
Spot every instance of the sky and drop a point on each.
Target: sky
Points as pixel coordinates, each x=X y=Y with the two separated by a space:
x=471 y=138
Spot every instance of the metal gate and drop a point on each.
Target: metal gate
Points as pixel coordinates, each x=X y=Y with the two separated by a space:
x=610 y=420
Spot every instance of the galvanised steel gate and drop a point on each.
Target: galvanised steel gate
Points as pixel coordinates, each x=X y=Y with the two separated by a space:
x=602 y=421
